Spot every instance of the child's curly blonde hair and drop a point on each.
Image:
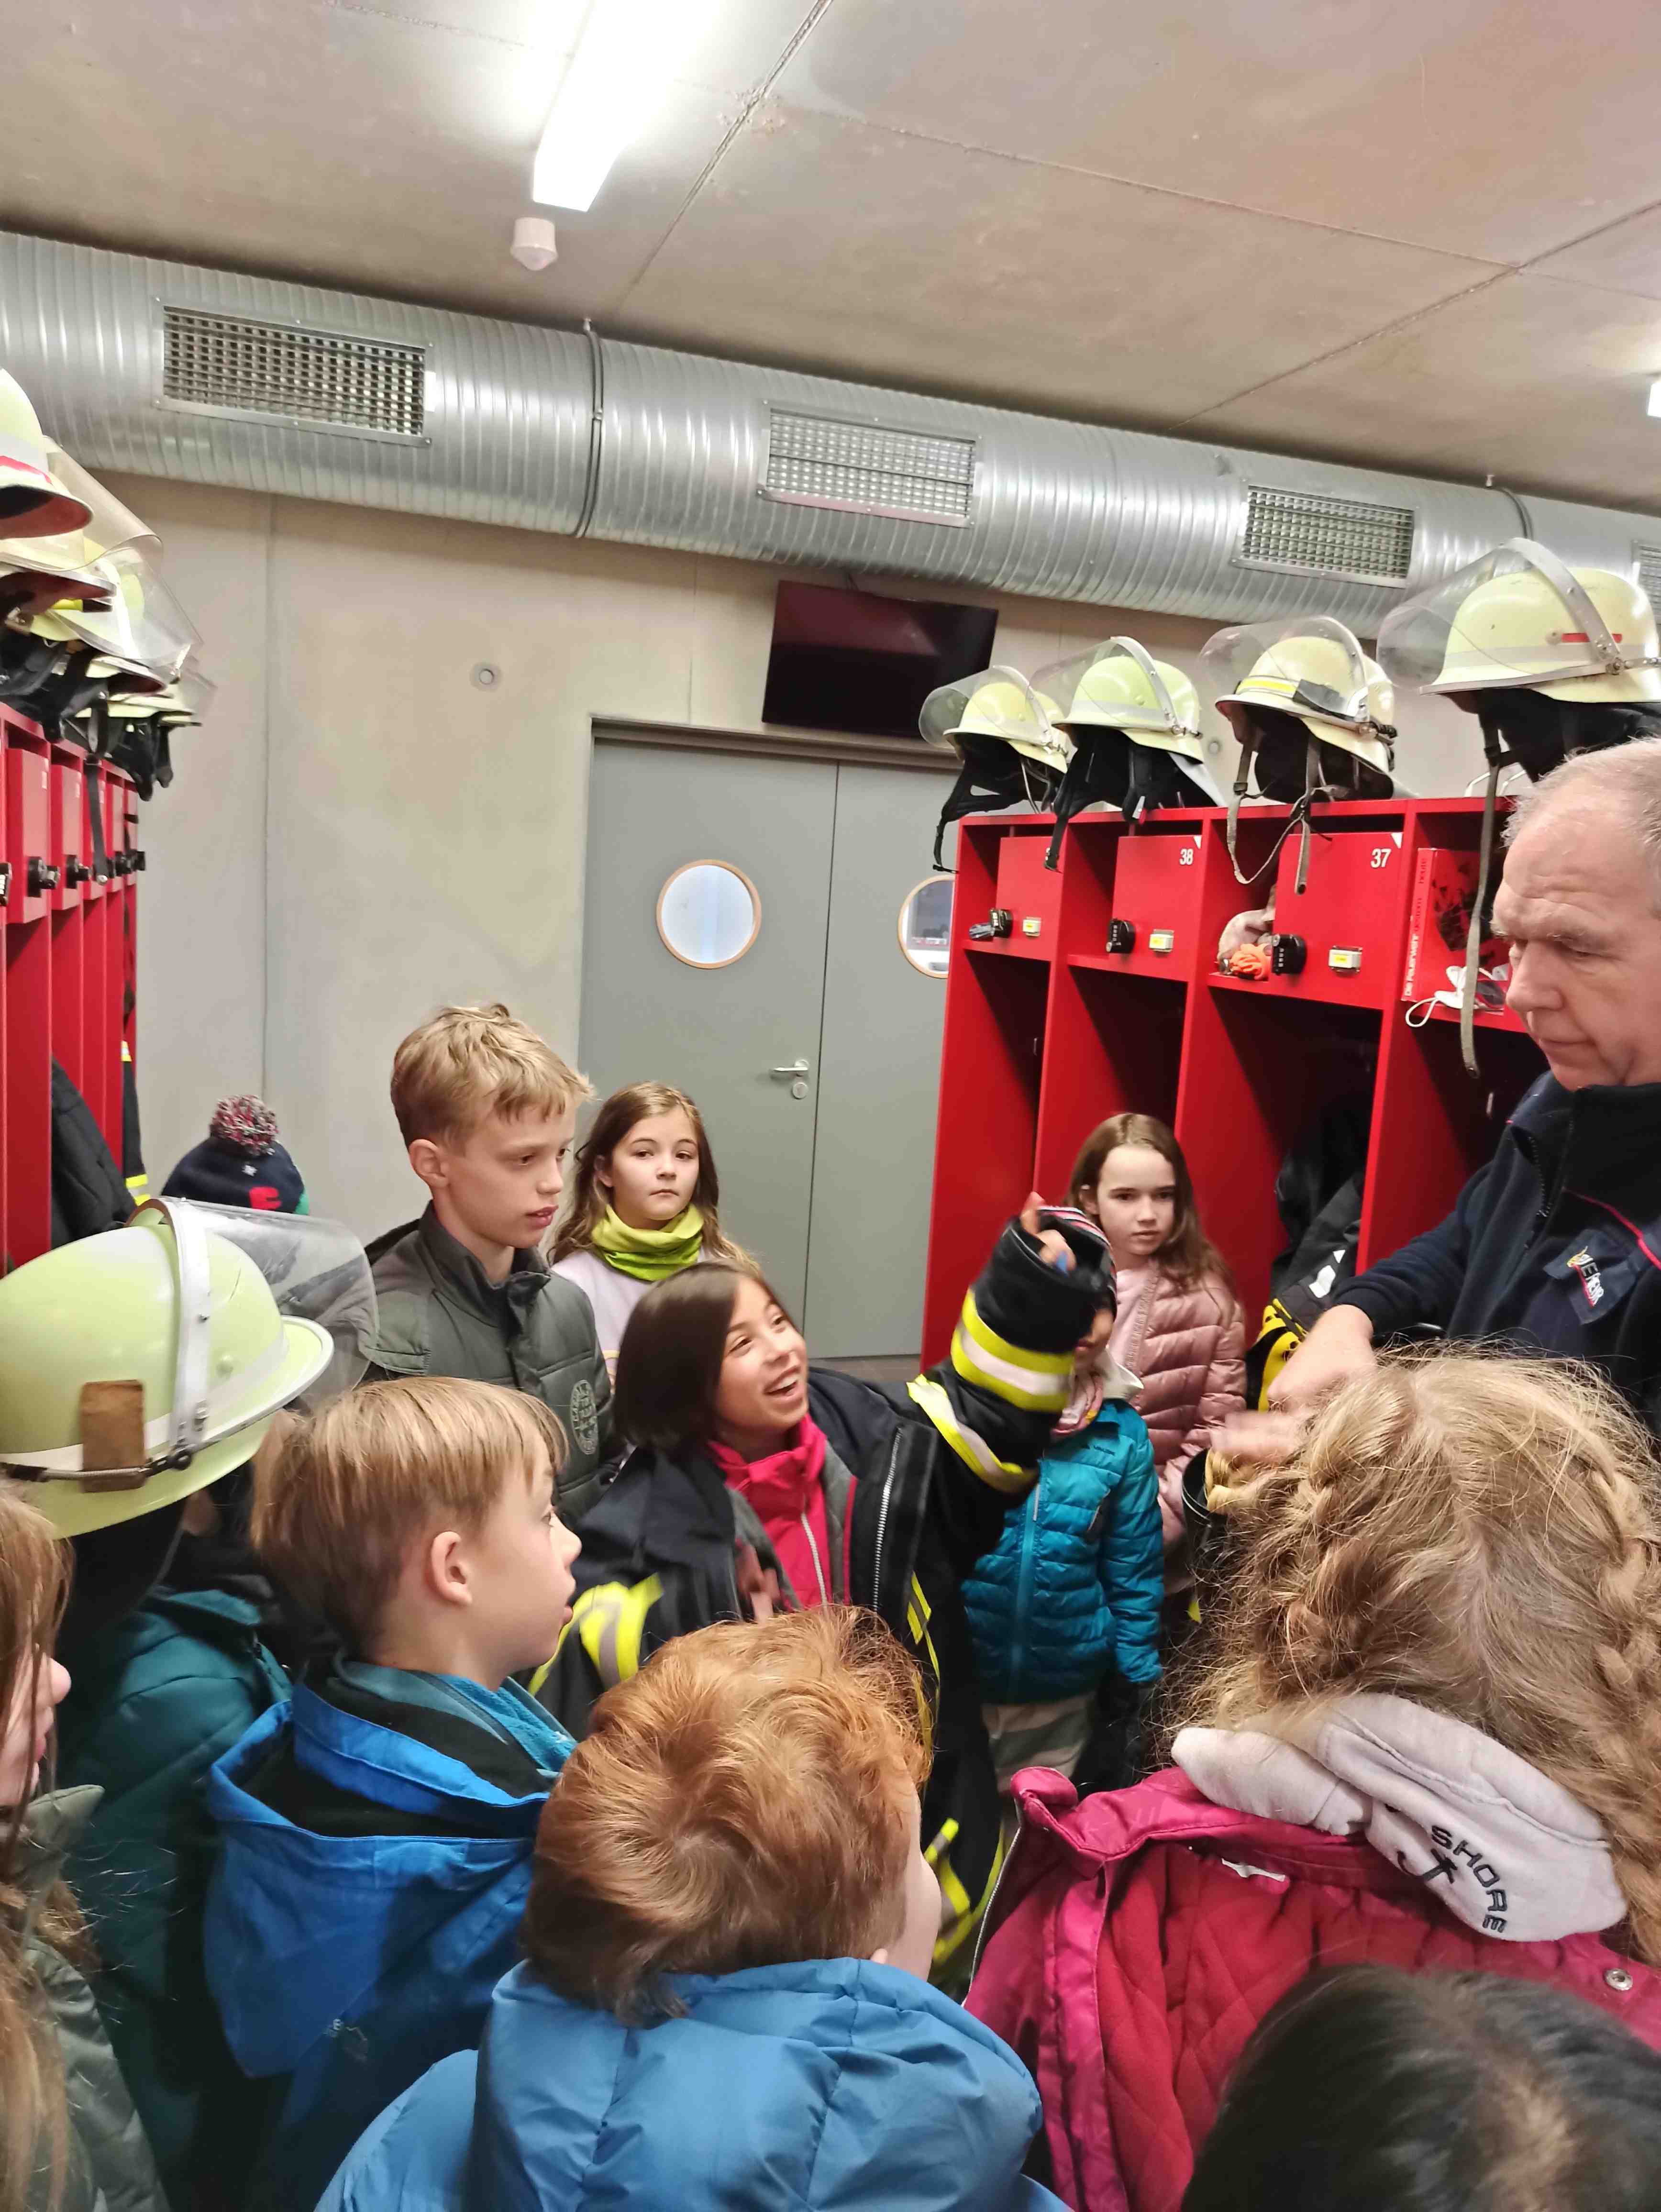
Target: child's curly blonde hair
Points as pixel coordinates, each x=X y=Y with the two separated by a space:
x=1480 y=1533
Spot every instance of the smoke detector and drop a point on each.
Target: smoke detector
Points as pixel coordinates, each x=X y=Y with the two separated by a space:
x=533 y=246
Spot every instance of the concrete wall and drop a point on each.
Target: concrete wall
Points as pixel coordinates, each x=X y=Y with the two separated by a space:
x=360 y=832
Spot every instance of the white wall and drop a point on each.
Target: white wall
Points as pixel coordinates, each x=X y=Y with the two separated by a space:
x=360 y=833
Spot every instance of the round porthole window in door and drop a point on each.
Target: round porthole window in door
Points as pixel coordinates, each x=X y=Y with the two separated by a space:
x=926 y=925
x=708 y=914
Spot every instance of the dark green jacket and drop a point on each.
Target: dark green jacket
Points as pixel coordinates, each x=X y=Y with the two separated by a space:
x=110 y=2168
x=156 y=1698
x=439 y=1313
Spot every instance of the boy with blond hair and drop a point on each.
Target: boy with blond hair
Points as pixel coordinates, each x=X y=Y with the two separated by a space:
x=377 y=1829
x=487 y=1112
x=723 y=2006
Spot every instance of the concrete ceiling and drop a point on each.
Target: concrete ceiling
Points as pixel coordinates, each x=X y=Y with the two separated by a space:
x=1423 y=233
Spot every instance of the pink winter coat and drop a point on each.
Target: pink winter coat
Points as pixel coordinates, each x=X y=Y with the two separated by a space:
x=1187 y=1347
x=1140 y=1936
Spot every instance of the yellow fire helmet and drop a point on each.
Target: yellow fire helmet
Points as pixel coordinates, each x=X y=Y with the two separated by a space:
x=143 y=632
x=33 y=502
x=1313 y=668
x=1521 y=617
x=140 y=1365
x=999 y=703
x=1314 y=715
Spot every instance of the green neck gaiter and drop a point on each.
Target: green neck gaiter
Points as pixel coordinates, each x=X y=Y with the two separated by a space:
x=650 y=1254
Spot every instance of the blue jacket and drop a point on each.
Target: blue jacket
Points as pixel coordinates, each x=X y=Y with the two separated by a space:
x=1075 y=1585
x=833 y=2083
x=368 y=1898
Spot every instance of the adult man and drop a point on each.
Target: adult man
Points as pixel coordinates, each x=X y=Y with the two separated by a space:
x=1556 y=1243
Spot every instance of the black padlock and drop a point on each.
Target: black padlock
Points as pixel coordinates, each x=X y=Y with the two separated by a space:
x=1287 y=954
x=1121 y=936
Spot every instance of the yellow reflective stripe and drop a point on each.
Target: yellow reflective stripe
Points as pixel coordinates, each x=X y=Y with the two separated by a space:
x=965 y=1915
x=1045 y=1363
x=977 y=1366
x=139 y=1185
x=918 y=1613
x=998 y=1474
x=611 y=1621
x=1019 y=1355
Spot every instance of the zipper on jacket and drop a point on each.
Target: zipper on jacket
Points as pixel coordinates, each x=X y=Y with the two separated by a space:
x=990 y=1912
x=1022 y=1592
x=882 y=1523
x=808 y=1531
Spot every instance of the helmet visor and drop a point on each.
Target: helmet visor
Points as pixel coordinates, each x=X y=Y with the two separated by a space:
x=1304 y=664
x=144 y=631
x=317 y=1271
x=1516 y=616
x=998 y=702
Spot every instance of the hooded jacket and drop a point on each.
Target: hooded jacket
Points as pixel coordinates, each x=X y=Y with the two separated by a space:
x=1553 y=1246
x=1074 y=1588
x=108 y=2167
x=832 y=2083
x=439 y=1313
x=377 y=1858
x=1139 y=1937
x=915 y=1492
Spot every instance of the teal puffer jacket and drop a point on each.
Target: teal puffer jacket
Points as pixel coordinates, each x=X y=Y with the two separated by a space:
x=1074 y=1588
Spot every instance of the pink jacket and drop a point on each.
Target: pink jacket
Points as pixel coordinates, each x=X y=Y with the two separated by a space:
x=1139 y=1937
x=1188 y=1349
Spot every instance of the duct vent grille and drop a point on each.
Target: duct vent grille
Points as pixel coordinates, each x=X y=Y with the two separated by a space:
x=1306 y=533
x=314 y=379
x=860 y=468
x=1646 y=560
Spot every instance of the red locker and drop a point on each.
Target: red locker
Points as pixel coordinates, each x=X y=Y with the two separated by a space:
x=68 y=920
x=1031 y=892
x=1158 y=892
x=28 y=829
x=1351 y=914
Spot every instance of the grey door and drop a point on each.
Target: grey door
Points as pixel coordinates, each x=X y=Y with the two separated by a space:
x=879 y=1057
x=716 y=1033
x=828 y=1188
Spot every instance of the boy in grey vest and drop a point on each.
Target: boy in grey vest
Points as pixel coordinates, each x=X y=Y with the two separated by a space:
x=489 y=1112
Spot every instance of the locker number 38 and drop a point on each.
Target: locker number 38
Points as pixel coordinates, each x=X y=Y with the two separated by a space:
x=1381 y=855
x=1185 y=856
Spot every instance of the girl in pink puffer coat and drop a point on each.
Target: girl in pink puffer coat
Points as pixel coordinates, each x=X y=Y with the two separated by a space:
x=1180 y=1328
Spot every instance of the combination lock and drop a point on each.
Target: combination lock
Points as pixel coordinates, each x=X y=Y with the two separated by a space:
x=1287 y=954
x=1121 y=936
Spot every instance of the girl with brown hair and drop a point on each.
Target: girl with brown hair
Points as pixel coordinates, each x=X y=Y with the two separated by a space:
x=644 y=1205
x=69 y=2140
x=1180 y=1329
x=1429 y=1736
x=757 y=1484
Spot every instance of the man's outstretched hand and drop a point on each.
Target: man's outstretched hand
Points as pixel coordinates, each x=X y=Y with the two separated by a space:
x=1050 y=1241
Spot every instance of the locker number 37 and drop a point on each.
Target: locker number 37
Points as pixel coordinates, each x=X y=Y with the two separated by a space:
x=1381 y=855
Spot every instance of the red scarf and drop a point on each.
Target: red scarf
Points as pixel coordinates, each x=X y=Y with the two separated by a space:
x=788 y=1493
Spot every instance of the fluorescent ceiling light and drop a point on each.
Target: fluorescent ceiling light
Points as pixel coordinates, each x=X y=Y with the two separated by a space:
x=612 y=91
x=1655 y=397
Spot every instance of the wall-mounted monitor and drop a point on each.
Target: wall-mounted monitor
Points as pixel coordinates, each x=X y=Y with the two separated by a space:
x=862 y=662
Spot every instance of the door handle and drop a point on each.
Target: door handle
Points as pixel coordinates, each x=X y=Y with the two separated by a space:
x=784 y=1074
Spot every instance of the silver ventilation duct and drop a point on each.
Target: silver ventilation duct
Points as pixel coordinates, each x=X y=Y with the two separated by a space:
x=172 y=371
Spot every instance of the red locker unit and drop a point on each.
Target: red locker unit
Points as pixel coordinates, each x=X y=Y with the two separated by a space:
x=1036 y=1050
x=28 y=995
